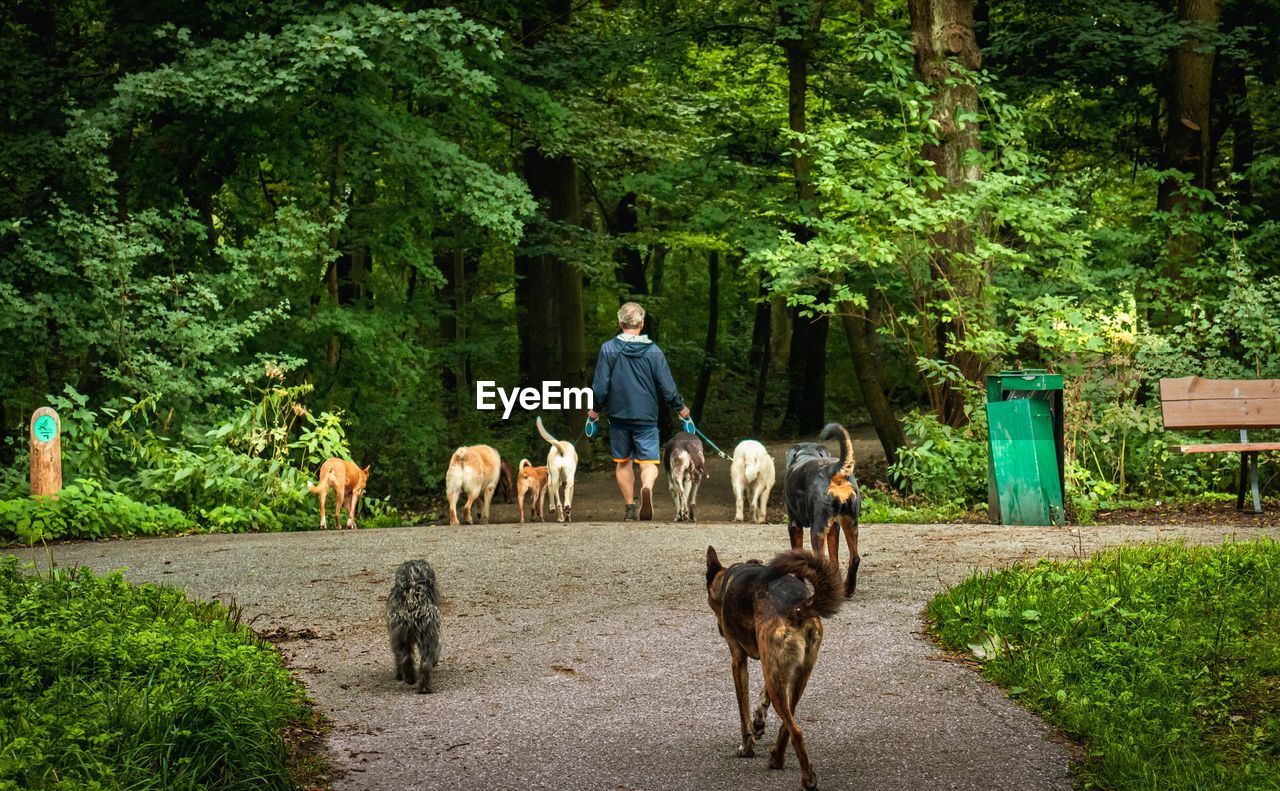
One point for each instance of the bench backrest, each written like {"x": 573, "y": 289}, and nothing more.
{"x": 1194, "y": 403}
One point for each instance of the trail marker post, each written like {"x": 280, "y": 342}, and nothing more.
{"x": 46, "y": 452}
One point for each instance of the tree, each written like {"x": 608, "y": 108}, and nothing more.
{"x": 947, "y": 55}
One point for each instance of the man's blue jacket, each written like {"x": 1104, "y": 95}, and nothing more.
{"x": 631, "y": 376}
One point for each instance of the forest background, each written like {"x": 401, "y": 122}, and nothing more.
{"x": 238, "y": 237}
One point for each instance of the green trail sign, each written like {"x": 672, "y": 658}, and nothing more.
{"x": 45, "y": 428}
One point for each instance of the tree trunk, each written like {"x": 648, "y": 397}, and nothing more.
{"x": 453, "y": 373}
{"x": 942, "y": 34}
{"x": 549, "y": 308}
{"x": 857, "y": 331}
{"x": 760, "y": 356}
{"x": 807, "y": 363}
{"x": 713, "y": 326}
{"x": 1187, "y": 136}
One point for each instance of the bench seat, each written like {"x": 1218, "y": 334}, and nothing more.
{"x": 1229, "y": 447}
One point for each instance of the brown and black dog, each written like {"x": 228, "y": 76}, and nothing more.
{"x": 686, "y": 466}
{"x": 532, "y": 479}
{"x": 347, "y": 480}
{"x": 766, "y": 612}
{"x": 821, "y": 490}
{"x": 506, "y": 490}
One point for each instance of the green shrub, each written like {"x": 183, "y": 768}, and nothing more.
{"x": 86, "y": 510}
{"x": 944, "y": 466}
{"x": 1162, "y": 660}
{"x": 108, "y": 685}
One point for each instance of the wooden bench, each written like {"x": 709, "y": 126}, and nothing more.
{"x": 1237, "y": 404}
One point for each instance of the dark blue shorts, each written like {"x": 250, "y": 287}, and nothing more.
{"x": 637, "y": 442}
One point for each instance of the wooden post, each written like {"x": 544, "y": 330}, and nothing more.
{"x": 46, "y": 452}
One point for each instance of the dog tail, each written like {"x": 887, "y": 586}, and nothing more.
{"x": 546, "y": 434}
{"x": 840, "y": 486}
{"x": 523, "y": 463}
{"x": 822, "y": 574}
{"x": 330, "y": 480}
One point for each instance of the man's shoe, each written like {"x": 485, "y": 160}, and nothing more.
{"x": 646, "y": 505}
{"x": 631, "y": 513}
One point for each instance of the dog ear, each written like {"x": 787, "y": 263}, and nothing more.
{"x": 713, "y": 564}
{"x": 366, "y": 469}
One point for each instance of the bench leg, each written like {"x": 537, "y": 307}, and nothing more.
{"x": 1253, "y": 482}
{"x": 1244, "y": 480}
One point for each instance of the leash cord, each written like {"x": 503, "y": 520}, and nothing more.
{"x": 713, "y": 445}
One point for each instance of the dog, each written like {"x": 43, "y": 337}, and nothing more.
{"x": 821, "y": 490}
{"x": 506, "y": 490}
{"x": 413, "y": 622}
{"x": 534, "y": 480}
{"x": 766, "y": 612}
{"x": 474, "y": 470}
{"x": 348, "y": 481}
{"x": 753, "y": 473}
{"x": 802, "y": 450}
{"x": 685, "y": 466}
{"x": 562, "y": 466}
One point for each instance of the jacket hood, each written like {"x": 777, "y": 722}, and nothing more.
{"x": 634, "y": 345}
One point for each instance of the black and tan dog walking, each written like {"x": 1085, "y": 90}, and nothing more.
{"x": 820, "y": 491}
{"x": 767, "y": 612}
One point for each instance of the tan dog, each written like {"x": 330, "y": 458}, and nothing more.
{"x": 562, "y": 466}
{"x": 348, "y": 481}
{"x": 474, "y": 470}
{"x": 534, "y": 480}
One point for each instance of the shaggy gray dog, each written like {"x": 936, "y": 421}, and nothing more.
{"x": 413, "y": 620}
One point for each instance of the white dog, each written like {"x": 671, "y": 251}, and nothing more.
{"x": 753, "y": 473}
{"x": 562, "y": 465}
{"x": 473, "y": 471}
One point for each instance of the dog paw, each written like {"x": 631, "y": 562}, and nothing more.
{"x": 757, "y": 728}
{"x": 746, "y": 751}
{"x": 777, "y": 760}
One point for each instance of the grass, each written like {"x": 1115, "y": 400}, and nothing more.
{"x": 1162, "y": 661}
{"x": 104, "y": 684}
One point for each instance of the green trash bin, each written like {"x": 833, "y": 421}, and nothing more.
{"x": 1025, "y": 481}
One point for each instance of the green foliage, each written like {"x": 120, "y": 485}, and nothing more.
{"x": 251, "y": 473}
{"x": 110, "y": 685}
{"x": 944, "y": 466}
{"x": 194, "y": 191}
{"x": 1161, "y": 660}
{"x": 86, "y": 510}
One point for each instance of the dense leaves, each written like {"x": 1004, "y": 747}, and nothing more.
{"x": 108, "y": 685}
{"x": 388, "y": 203}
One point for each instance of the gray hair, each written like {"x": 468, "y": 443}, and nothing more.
{"x": 631, "y": 315}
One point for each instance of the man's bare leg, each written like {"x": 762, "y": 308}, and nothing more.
{"x": 648, "y": 476}
{"x": 626, "y": 478}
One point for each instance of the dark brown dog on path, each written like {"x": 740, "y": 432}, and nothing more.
{"x": 820, "y": 491}
{"x": 766, "y": 612}
{"x": 534, "y": 480}
{"x": 506, "y": 490}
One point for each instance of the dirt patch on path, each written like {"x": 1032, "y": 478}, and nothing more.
{"x": 584, "y": 657}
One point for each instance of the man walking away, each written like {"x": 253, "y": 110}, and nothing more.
{"x": 632, "y": 377}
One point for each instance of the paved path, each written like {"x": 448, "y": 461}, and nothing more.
{"x": 585, "y": 657}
